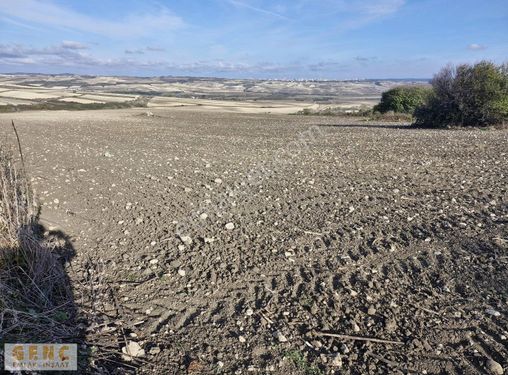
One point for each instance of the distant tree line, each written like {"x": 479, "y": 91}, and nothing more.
{"x": 466, "y": 95}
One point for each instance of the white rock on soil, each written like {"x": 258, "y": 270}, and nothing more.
{"x": 493, "y": 312}
{"x": 181, "y": 272}
{"x": 494, "y": 367}
{"x": 186, "y": 240}
{"x": 230, "y": 226}
{"x": 356, "y": 328}
{"x": 336, "y": 361}
{"x": 133, "y": 349}
{"x": 279, "y": 336}
{"x": 155, "y": 350}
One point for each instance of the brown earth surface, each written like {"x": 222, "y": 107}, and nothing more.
{"x": 235, "y": 243}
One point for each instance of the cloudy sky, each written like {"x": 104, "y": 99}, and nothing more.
{"x": 327, "y": 39}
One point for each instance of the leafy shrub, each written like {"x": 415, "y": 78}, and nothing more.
{"x": 468, "y": 95}
{"x": 403, "y": 99}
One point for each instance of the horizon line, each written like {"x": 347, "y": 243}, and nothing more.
{"x": 220, "y": 78}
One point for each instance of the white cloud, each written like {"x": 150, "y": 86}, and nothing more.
{"x": 476, "y": 47}
{"x": 70, "y": 44}
{"x": 45, "y": 12}
{"x": 243, "y": 4}
{"x": 360, "y": 13}
{"x": 134, "y": 51}
{"x": 380, "y": 8}
{"x": 155, "y": 49}
{"x": 67, "y": 53}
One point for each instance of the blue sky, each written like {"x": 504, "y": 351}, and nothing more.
{"x": 323, "y": 39}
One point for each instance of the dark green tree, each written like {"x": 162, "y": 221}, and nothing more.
{"x": 468, "y": 95}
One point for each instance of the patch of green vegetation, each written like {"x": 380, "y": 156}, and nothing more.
{"x": 55, "y": 105}
{"x": 403, "y": 99}
{"x": 302, "y": 363}
{"x": 467, "y": 95}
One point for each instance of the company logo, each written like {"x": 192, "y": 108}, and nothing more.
{"x": 41, "y": 357}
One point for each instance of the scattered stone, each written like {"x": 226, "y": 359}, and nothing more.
{"x": 336, "y": 361}
{"x": 317, "y": 344}
{"x": 344, "y": 349}
{"x": 218, "y": 181}
{"x": 249, "y": 312}
{"x": 371, "y": 310}
{"x": 492, "y": 312}
{"x": 153, "y": 243}
{"x": 154, "y": 261}
{"x": 181, "y": 272}
{"x": 356, "y": 328}
{"x": 132, "y": 349}
{"x": 155, "y": 350}
{"x": 242, "y": 339}
{"x": 203, "y": 216}
{"x": 390, "y": 325}
{"x": 186, "y": 240}
{"x": 108, "y": 154}
{"x": 494, "y": 367}
{"x": 279, "y": 336}
{"x": 230, "y": 226}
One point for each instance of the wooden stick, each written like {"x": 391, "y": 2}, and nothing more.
{"x": 312, "y": 233}
{"x": 19, "y": 145}
{"x": 266, "y": 318}
{"x": 427, "y": 310}
{"x": 359, "y": 338}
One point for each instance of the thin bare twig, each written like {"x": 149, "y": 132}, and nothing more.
{"x": 19, "y": 145}
{"x": 359, "y": 338}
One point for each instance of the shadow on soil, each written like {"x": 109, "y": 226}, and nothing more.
{"x": 36, "y": 293}
{"x": 37, "y": 301}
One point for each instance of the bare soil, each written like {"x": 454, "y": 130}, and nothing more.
{"x": 235, "y": 243}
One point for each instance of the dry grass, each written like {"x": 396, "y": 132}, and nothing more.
{"x": 35, "y": 297}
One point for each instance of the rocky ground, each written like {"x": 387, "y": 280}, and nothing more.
{"x": 236, "y": 243}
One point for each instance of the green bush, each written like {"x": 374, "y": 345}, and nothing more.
{"x": 468, "y": 95}
{"x": 403, "y": 99}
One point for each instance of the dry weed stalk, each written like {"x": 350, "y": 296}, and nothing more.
{"x": 35, "y": 297}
